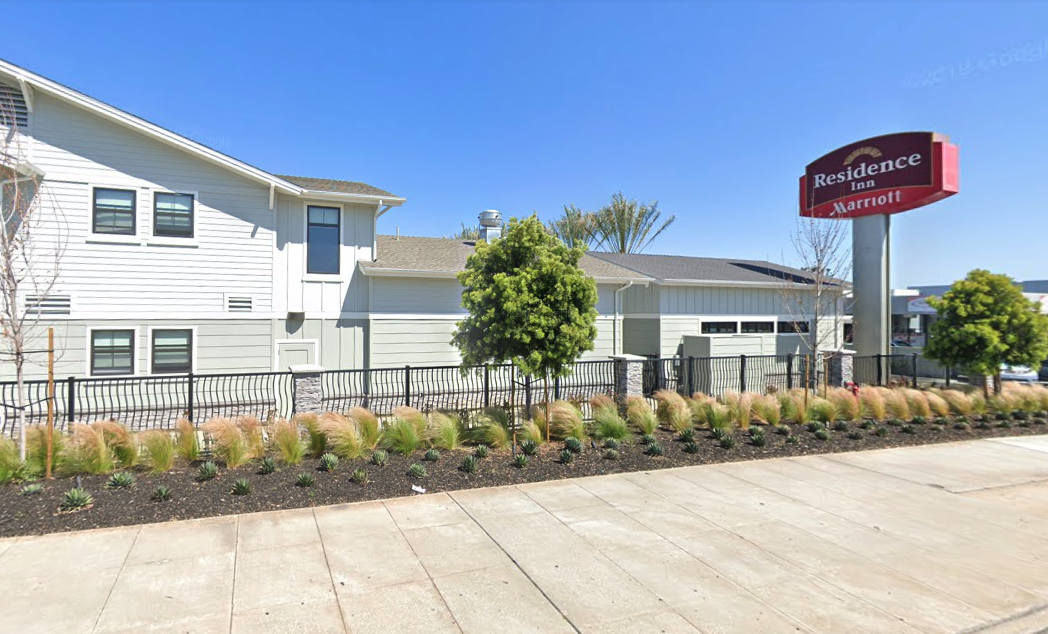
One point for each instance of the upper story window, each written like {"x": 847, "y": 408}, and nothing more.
{"x": 172, "y": 351}
{"x": 322, "y": 239}
{"x": 173, "y": 215}
{"x": 758, "y": 327}
{"x": 112, "y": 352}
{"x": 113, "y": 212}
{"x": 793, "y": 327}
{"x": 719, "y": 327}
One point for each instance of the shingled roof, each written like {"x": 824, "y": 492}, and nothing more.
{"x": 667, "y": 268}
{"x": 341, "y": 187}
{"x": 448, "y": 255}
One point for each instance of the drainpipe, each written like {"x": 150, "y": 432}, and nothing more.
{"x": 615, "y": 329}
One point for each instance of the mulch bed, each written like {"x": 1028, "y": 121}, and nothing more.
{"x": 39, "y": 514}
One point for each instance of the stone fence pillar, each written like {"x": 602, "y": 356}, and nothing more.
{"x": 307, "y": 391}
{"x": 629, "y": 377}
{"x": 842, "y": 368}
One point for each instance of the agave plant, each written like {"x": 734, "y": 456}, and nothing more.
{"x": 31, "y": 489}
{"x": 76, "y": 499}
{"x": 417, "y": 471}
{"x": 242, "y": 487}
{"x": 267, "y": 466}
{"x": 654, "y": 449}
{"x": 432, "y": 455}
{"x": 572, "y": 444}
{"x": 305, "y": 480}
{"x": 567, "y": 456}
{"x": 469, "y": 464}
{"x": 207, "y": 471}
{"x": 380, "y": 458}
{"x": 328, "y": 462}
{"x": 161, "y": 494}
{"x": 359, "y": 475}
{"x": 121, "y": 480}
{"x": 481, "y": 451}
{"x": 611, "y": 454}
{"x": 529, "y": 447}
{"x": 520, "y": 461}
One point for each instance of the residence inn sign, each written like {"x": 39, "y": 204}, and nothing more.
{"x": 880, "y": 176}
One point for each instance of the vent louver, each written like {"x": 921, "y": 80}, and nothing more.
{"x": 50, "y": 305}
{"x": 236, "y": 304}
{"x": 12, "y": 106}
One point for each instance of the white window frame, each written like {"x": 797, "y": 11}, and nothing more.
{"x": 174, "y": 241}
{"x": 194, "y": 345}
{"x": 323, "y": 277}
{"x": 135, "y": 367}
{"x": 113, "y": 238}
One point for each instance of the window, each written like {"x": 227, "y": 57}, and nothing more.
{"x": 172, "y": 351}
{"x": 719, "y": 327}
{"x": 322, "y": 240}
{"x": 114, "y": 212}
{"x": 793, "y": 327}
{"x": 112, "y": 352}
{"x": 173, "y": 215}
{"x": 758, "y": 327}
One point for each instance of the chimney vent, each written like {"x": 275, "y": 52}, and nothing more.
{"x": 490, "y": 225}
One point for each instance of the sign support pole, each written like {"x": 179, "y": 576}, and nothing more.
{"x": 871, "y": 284}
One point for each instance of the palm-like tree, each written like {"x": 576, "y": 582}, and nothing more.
{"x": 574, "y": 228}
{"x": 626, "y": 226}
{"x": 468, "y": 234}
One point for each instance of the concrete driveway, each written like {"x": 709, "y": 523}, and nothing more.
{"x": 949, "y": 538}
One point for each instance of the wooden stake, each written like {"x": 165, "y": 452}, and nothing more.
{"x": 545, "y": 382}
{"x": 50, "y": 400}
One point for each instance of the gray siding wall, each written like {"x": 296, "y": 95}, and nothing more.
{"x": 641, "y": 336}
{"x": 671, "y": 335}
{"x": 342, "y": 343}
{"x": 414, "y": 342}
{"x": 641, "y": 299}
{"x": 416, "y": 295}
{"x": 692, "y": 300}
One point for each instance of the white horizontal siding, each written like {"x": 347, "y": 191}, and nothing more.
{"x": 416, "y": 295}
{"x": 699, "y": 300}
{"x": 231, "y": 252}
{"x": 414, "y": 342}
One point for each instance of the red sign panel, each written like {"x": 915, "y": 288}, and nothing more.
{"x": 882, "y": 175}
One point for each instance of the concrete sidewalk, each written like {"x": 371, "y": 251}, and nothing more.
{"x": 946, "y": 538}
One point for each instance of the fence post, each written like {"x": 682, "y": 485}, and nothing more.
{"x": 914, "y": 357}
{"x": 691, "y": 376}
{"x": 880, "y": 369}
{"x": 789, "y": 371}
{"x": 71, "y": 399}
{"x": 527, "y": 394}
{"x": 189, "y": 397}
{"x": 742, "y": 373}
{"x": 556, "y": 388}
{"x": 407, "y": 385}
{"x": 487, "y": 386}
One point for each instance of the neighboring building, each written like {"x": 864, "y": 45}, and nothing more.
{"x": 179, "y": 258}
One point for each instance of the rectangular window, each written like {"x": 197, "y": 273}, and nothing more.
{"x": 113, "y": 212}
{"x": 719, "y": 327}
{"x": 112, "y": 352}
{"x": 793, "y": 327}
{"x": 172, "y": 351}
{"x": 758, "y": 327}
{"x": 173, "y": 215}
{"x": 322, "y": 240}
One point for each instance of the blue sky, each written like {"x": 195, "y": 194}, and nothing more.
{"x": 711, "y": 108}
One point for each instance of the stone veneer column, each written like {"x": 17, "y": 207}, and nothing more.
{"x": 629, "y": 377}
{"x": 307, "y": 389}
{"x": 842, "y": 368}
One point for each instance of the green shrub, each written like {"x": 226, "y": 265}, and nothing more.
{"x": 161, "y": 494}
{"x": 520, "y": 460}
{"x": 481, "y": 451}
{"x": 267, "y": 466}
{"x": 727, "y": 441}
{"x": 882, "y": 432}
{"x": 31, "y": 489}
{"x": 654, "y": 449}
{"x": 328, "y": 462}
{"x": 207, "y": 471}
{"x": 611, "y": 443}
{"x": 379, "y": 458}
{"x": 242, "y": 487}
{"x": 822, "y": 434}
{"x": 814, "y": 426}
{"x": 608, "y": 424}
{"x": 894, "y": 422}
{"x": 529, "y": 447}
{"x": 286, "y": 440}
{"x": 431, "y": 456}
{"x": 469, "y": 464}
{"x": 573, "y": 444}
{"x": 121, "y": 480}
{"x": 691, "y": 447}
{"x": 402, "y": 436}
{"x": 868, "y": 425}
{"x": 159, "y": 450}
{"x": 305, "y": 480}
{"x": 76, "y": 499}
{"x": 567, "y": 456}
{"x": 417, "y": 471}
{"x": 611, "y": 454}
{"x": 359, "y": 475}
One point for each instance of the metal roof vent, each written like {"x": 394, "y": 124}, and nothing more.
{"x": 13, "y": 107}
{"x": 490, "y": 225}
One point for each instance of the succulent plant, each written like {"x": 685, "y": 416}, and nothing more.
{"x": 647, "y": 439}
{"x": 783, "y": 429}
{"x": 242, "y": 486}
{"x": 1021, "y": 414}
{"x": 482, "y": 451}
{"x": 918, "y": 420}
{"x": 756, "y": 431}
{"x": 1004, "y": 424}
{"x": 31, "y": 489}
{"x": 469, "y": 464}
{"x": 727, "y": 441}
{"x": 121, "y": 480}
{"x": 161, "y": 494}
{"x": 76, "y": 499}
{"x": 267, "y": 466}
{"x": 567, "y": 456}
{"x": 855, "y": 435}
{"x": 207, "y": 471}
{"x": 1039, "y": 421}
{"x": 305, "y": 480}
{"x": 868, "y": 425}
{"x": 691, "y": 447}
{"x": 882, "y": 432}
{"x": 328, "y": 462}
{"x": 380, "y": 458}
{"x": 983, "y": 424}
{"x": 654, "y": 449}
{"x": 611, "y": 443}
{"x": 573, "y": 444}
{"x": 822, "y": 434}
{"x": 359, "y": 475}
{"x": 758, "y": 440}
{"x": 894, "y": 422}
{"x": 962, "y": 426}
{"x": 611, "y": 454}
{"x": 1002, "y": 415}
{"x": 529, "y": 447}
{"x": 908, "y": 429}
{"x": 520, "y": 461}
{"x": 417, "y": 471}
{"x": 814, "y": 426}
{"x": 792, "y": 440}
{"x": 431, "y": 455}
{"x": 688, "y": 434}
{"x": 840, "y": 425}
{"x": 937, "y": 428}
{"x": 941, "y": 420}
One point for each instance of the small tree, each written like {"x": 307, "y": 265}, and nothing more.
{"x": 627, "y": 226}
{"x": 574, "y": 228}
{"x": 529, "y": 303}
{"x": 984, "y": 321}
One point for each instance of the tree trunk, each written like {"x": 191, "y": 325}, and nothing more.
{"x": 20, "y": 380}
{"x": 545, "y": 387}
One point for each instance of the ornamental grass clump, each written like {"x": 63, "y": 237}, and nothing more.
{"x": 896, "y": 404}
{"x": 823, "y": 410}
{"x": 11, "y": 467}
{"x": 917, "y": 401}
{"x": 872, "y": 401}
{"x": 445, "y": 431}
{"x": 316, "y": 437}
{"x": 367, "y": 427}
{"x": 766, "y": 408}
{"x": 798, "y": 406}
{"x": 285, "y": 439}
{"x": 959, "y": 402}
{"x": 36, "y": 452}
{"x": 606, "y": 420}
{"x": 847, "y": 403}
{"x": 231, "y": 442}
{"x": 496, "y": 428}
{"x": 937, "y": 404}
{"x": 718, "y": 417}
{"x": 639, "y": 414}
{"x": 565, "y": 420}
{"x": 535, "y": 430}
{"x": 342, "y": 436}
{"x": 673, "y": 410}
{"x": 159, "y": 453}
{"x": 187, "y": 444}
{"x": 89, "y": 449}
{"x": 740, "y": 408}
{"x": 401, "y": 436}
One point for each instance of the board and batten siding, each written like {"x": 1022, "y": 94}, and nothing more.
{"x": 640, "y": 335}
{"x": 342, "y": 343}
{"x": 230, "y": 253}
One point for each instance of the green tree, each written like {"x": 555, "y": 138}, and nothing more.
{"x": 469, "y": 234}
{"x": 626, "y": 226}
{"x": 984, "y": 321}
{"x": 529, "y": 303}
{"x": 574, "y": 228}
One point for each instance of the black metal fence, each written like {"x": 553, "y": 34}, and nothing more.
{"x": 158, "y": 402}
